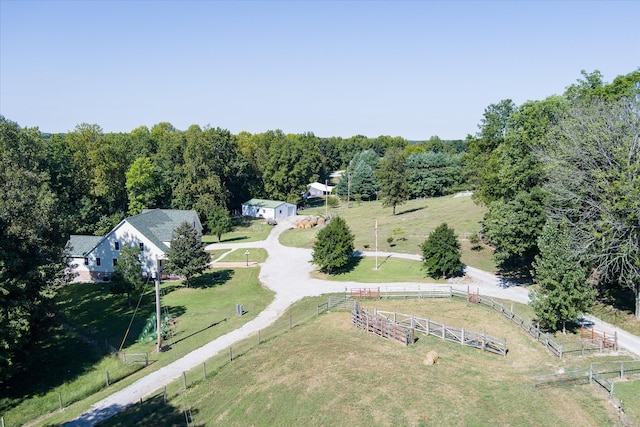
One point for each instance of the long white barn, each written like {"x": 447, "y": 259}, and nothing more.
{"x": 93, "y": 258}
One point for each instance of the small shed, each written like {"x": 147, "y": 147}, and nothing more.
{"x": 275, "y": 209}
{"x": 319, "y": 189}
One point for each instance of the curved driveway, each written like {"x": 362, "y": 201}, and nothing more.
{"x": 287, "y": 273}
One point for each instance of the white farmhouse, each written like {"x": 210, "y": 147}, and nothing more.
{"x": 94, "y": 258}
{"x": 259, "y": 208}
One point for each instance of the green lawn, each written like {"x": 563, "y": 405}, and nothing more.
{"x": 254, "y": 231}
{"x": 67, "y": 366}
{"x": 389, "y": 270}
{"x": 239, "y": 255}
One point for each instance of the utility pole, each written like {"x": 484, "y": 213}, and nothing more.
{"x": 158, "y": 323}
{"x": 326, "y": 200}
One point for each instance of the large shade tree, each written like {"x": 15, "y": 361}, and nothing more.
{"x": 592, "y": 165}
{"x": 392, "y": 178}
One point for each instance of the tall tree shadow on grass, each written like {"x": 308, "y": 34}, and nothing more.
{"x": 212, "y": 278}
{"x": 408, "y": 211}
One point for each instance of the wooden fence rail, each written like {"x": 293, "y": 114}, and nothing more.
{"x": 448, "y": 333}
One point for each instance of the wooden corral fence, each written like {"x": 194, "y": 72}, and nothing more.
{"x": 597, "y": 343}
{"x": 599, "y": 338}
{"x": 365, "y": 292}
{"x": 379, "y": 325}
{"x": 447, "y": 333}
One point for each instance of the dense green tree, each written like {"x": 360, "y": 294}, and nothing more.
{"x": 219, "y": 221}
{"x": 563, "y": 292}
{"x": 441, "y": 253}
{"x": 360, "y": 180}
{"x": 32, "y": 257}
{"x": 186, "y": 256}
{"x": 127, "y": 275}
{"x": 333, "y": 247}
{"x": 592, "y": 166}
{"x": 168, "y": 160}
{"x": 392, "y": 178}
{"x": 513, "y": 227}
{"x": 433, "y": 173}
{"x": 480, "y": 165}
{"x": 293, "y": 162}
{"x": 143, "y": 185}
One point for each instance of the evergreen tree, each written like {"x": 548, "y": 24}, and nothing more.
{"x": 186, "y": 257}
{"x": 334, "y": 246}
{"x": 441, "y": 253}
{"x": 564, "y": 292}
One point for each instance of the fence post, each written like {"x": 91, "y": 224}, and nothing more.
{"x": 146, "y": 359}
{"x": 59, "y": 400}
{"x": 164, "y": 395}
{"x": 204, "y": 370}
{"x": 289, "y": 321}
{"x": 230, "y": 354}
{"x": 621, "y": 370}
{"x": 590, "y": 373}
{"x": 258, "y": 337}
{"x": 107, "y": 375}
{"x": 443, "y": 329}
{"x": 428, "y": 327}
{"x": 462, "y": 336}
{"x": 184, "y": 380}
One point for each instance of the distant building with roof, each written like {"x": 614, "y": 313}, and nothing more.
{"x": 274, "y": 209}
{"x": 317, "y": 189}
{"x": 93, "y": 258}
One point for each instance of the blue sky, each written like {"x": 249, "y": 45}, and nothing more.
{"x": 411, "y": 69}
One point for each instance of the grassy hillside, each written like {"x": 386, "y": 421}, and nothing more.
{"x": 408, "y": 228}
{"x": 326, "y": 372}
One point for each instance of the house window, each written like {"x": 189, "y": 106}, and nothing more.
{"x": 141, "y": 246}
{"x": 116, "y": 245}
{"x": 115, "y": 262}
{"x": 86, "y": 261}
{"x": 97, "y": 261}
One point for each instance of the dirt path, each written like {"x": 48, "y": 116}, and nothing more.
{"x": 287, "y": 272}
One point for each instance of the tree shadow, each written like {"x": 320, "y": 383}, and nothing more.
{"x": 621, "y": 299}
{"x": 212, "y": 279}
{"x": 197, "y": 332}
{"x": 232, "y": 239}
{"x": 152, "y": 411}
{"x": 354, "y": 261}
{"x": 408, "y": 211}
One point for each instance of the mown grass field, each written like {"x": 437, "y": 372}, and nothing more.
{"x": 409, "y": 228}
{"x": 326, "y": 372}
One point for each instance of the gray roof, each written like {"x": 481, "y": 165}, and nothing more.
{"x": 79, "y": 245}
{"x": 158, "y": 225}
{"x": 264, "y": 203}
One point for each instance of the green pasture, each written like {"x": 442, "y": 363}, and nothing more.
{"x": 409, "y": 228}
{"x": 71, "y": 364}
{"x": 324, "y": 371}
